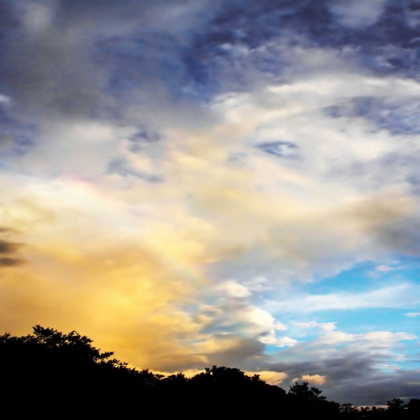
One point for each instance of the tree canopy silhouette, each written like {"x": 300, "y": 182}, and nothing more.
{"x": 59, "y": 371}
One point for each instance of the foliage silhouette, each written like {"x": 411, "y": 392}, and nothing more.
{"x": 302, "y": 391}
{"x": 65, "y": 375}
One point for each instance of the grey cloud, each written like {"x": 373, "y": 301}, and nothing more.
{"x": 10, "y": 262}
{"x": 93, "y": 59}
{"x": 397, "y": 115}
{"x": 241, "y": 354}
{"x": 403, "y": 384}
{"x": 8, "y": 247}
{"x": 145, "y": 135}
{"x": 285, "y": 149}
{"x": 51, "y": 72}
{"x": 393, "y": 227}
{"x": 353, "y": 367}
{"x": 402, "y": 236}
{"x": 353, "y": 378}
{"x": 358, "y": 13}
{"x": 62, "y": 65}
{"x": 124, "y": 168}
{"x": 147, "y": 140}
{"x": 9, "y": 250}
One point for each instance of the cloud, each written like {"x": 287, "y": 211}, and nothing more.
{"x": 397, "y": 296}
{"x": 280, "y": 148}
{"x": 378, "y": 392}
{"x": 412, "y": 314}
{"x": 9, "y": 250}
{"x": 312, "y": 379}
{"x": 4, "y": 99}
{"x": 272, "y": 378}
{"x": 244, "y": 319}
{"x": 350, "y": 362}
{"x": 352, "y": 380}
{"x": 9, "y": 262}
{"x": 234, "y": 289}
{"x": 377, "y": 346}
{"x": 322, "y": 327}
{"x": 384, "y": 268}
{"x": 286, "y": 342}
{"x": 357, "y": 14}
{"x": 180, "y": 173}
{"x": 8, "y": 247}
{"x": 45, "y": 77}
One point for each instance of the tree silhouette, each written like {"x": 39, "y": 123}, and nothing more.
{"x": 307, "y": 400}
{"x": 303, "y": 391}
{"x": 53, "y": 374}
{"x": 348, "y": 411}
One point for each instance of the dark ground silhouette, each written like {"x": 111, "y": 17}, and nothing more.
{"x": 56, "y": 375}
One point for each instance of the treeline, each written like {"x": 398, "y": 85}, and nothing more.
{"x": 63, "y": 375}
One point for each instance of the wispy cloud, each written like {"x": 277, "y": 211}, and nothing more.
{"x": 398, "y": 296}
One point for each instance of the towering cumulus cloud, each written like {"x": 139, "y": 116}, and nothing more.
{"x": 202, "y": 182}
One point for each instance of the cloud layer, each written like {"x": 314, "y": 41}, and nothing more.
{"x": 195, "y": 183}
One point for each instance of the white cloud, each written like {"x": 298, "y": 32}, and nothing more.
{"x": 334, "y": 338}
{"x": 286, "y": 342}
{"x": 323, "y": 327}
{"x": 259, "y": 323}
{"x": 413, "y": 314}
{"x": 388, "y": 297}
{"x": 234, "y": 289}
{"x": 279, "y": 326}
{"x": 259, "y": 284}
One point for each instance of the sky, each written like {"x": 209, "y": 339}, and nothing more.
{"x": 213, "y": 182}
